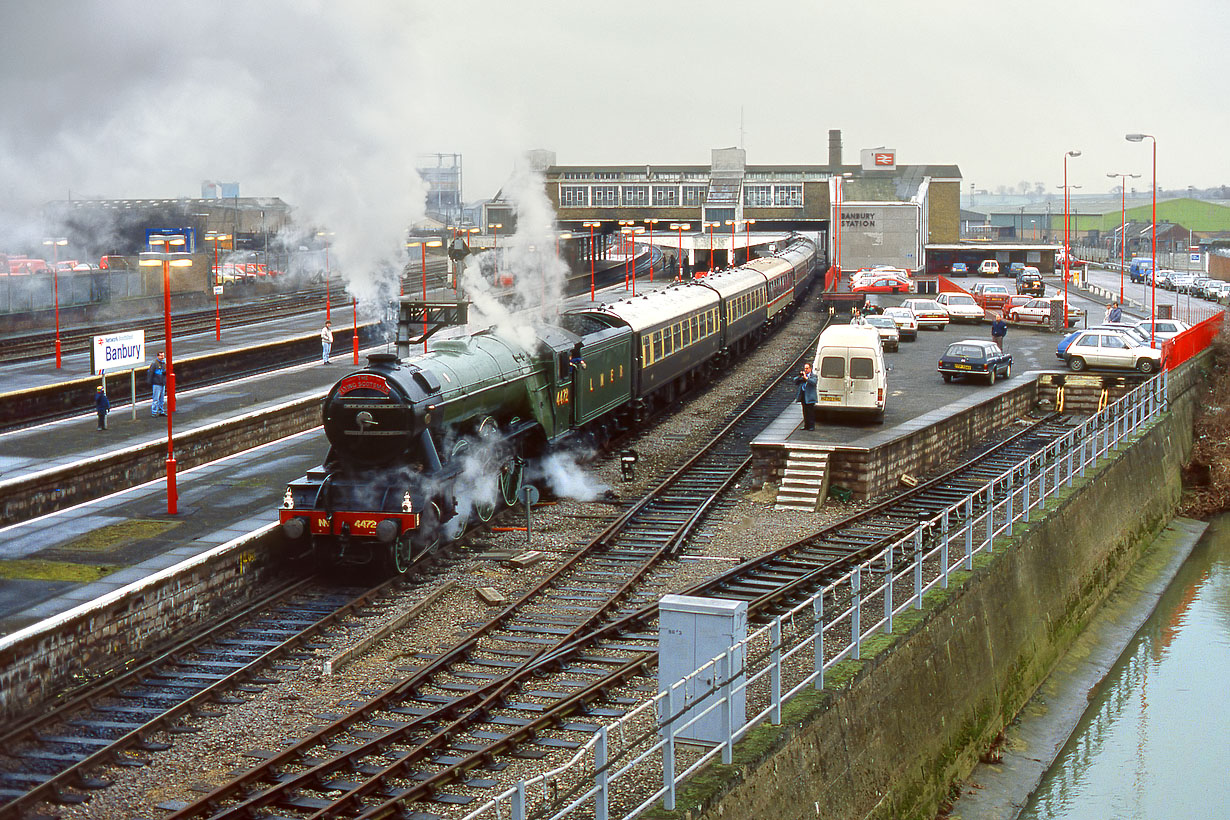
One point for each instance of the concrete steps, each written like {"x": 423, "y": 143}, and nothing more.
{"x": 805, "y": 480}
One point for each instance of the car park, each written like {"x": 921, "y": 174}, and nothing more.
{"x": 1029, "y": 282}
{"x": 988, "y": 267}
{"x": 881, "y": 282}
{"x": 961, "y": 307}
{"x": 975, "y": 357}
{"x": 990, "y": 295}
{"x": 1163, "y": 329}
{"x": 928, "y": 312}
{"x": 1108, "y": 348}
{"x": 907, "y": 322}
{"x": 1038, "y": 312}
{"x": 959, "y": 269}
{"x": 890, "y": 337}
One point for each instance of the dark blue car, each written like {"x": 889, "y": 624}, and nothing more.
{"x": 975, "y": 357}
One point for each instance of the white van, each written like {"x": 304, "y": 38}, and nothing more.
{"x": 989, "y": 267}
{"x": 850, "y": 372}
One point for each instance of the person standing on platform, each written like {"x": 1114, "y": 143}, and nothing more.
{"x": 999, "y": 329}
{"x": 1114, "y": 314}
{"x": 158, "y": 385}
{"x": 807, "y": 396}
{"x": 101, "y": 405}
{"x": 326, "y": 342}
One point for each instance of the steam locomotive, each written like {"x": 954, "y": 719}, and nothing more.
{"x": 421, "y": 445}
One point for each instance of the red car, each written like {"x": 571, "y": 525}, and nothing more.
{"x": 881, "y": 283}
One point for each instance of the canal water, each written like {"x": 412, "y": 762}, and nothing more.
{"x": 1155, "y": 740}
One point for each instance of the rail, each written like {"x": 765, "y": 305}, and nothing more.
{"x": 641, "y": 747}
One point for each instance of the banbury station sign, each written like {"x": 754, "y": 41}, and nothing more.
{"x": 117, "y": 351}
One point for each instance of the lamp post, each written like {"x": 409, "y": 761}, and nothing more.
{"x": 326, "y": 235}
{"x": 629, "y": 234}
{"x": 1065, "y": 232}
{"x": 732, "y": 223}
{"x": 625, "y": 231}
{"x": 1152, "y": 236}
{"x": 1123, "y": 178}
{"x": 592, "y": 254}
{"x": 651, "y": 223}
{"x": 747, "y": 228}
{"x": 495, "y": 250}
{"x": 841, "y": 178}
{"x": 710, "y": 226}
{"x": 56, "y": 243}
{"x": 214, "y": 237}
{"x": 168, "y": 260}
{"x": 423, "y": 245}
{"x": 681, "y": 227}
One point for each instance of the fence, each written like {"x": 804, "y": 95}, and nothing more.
{"x": 797, "y": 650}
{"x": 1182, "y": 347}
{"x": 42, "y": 291}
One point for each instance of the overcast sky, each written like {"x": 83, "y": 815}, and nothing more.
{"x": 327, "y": 104}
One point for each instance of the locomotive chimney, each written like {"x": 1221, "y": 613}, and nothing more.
{"x": 835, "y": 147}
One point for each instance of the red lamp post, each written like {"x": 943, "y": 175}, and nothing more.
{"x": 168, "y": 260}
{"x": 1123, "y": 178}
{"x": 629, "y": 235}
{"x": 747, "y": 228}
{"x": 593, "y": 251}
{"x": 651, "y": 223}
{"x": 326, "y": 235}
{"x": 1152, "y": 236}
{"x": 681, "y": 227}
{"x": 423, "y": 245}
{"x": 215, "y": 238}
{"x": 625, "y": 232}
{"x": 56, "y": 243}
{"x": 710, "y": 226}
{"x": 1066, "y": 200}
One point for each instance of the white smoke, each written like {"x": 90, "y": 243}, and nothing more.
{"x": 566, "y": 477}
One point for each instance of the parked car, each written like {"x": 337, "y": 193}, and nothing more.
{"x": 1029, "y": 282}
{"x": 890, "y": 337}
{"x": 907, "y": 322}
{"x": 961, "y": 307}
{"x": 990, "y": 295}
{"x": 1107, "y": 348}
{"x": 928, "y": 312}
{"x": 1038, "y": 312}
{"x": 1130, "y": 332}
{"x": 1164, "y": 279}
{"x": 975, "y": 357}
{"x": 1015, "y": 269}
{"x": 988, "y": 267}
{"x": 884, "y": 282}
{"x": 960, "y": 269}
{"x": 1162, "y": 329}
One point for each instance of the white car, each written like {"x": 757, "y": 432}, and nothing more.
{"x": 1038, "y": 312}
{"x": 961, "y": 307}
{"x": 890, "y": 337}
{"x": 928, "y": 312}
{"x": 907, "y": 322}
{"x": 1163, "y": 329}
{"x": 1104, "y": 348}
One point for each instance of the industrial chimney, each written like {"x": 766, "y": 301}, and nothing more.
{"x": 835, "y": 147}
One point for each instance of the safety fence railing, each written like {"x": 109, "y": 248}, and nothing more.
{"x": 616, "y": 772}
{"x": 1196, "y": 338}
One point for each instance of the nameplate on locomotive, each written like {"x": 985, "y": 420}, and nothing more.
{"x": 363, "y": 381}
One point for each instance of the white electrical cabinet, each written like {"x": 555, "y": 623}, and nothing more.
{"x": 691, "y": 632}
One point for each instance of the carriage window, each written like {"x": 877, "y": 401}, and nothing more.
{"x": 657, "y": 345}
{"x": 678, "y": 337}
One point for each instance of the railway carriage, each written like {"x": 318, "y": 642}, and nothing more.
{"x": 744, "y": 306}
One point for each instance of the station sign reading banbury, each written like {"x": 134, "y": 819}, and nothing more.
{"x": 117, "y": 351}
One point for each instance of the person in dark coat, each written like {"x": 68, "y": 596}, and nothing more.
{"x": 101, "y": 405}
{"x": 807, "y": 396}
{"x": 999, "y": 329}
{"x": 158, "y": 386}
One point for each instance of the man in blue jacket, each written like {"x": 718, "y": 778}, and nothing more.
{"x": 158, "y": 386}
{"x": 807, "y": 396}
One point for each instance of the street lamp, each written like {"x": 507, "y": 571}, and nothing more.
{"x": 1066, "y": 198}
{"x": 710, "y": 226}
{"x": 423, "y": 245}
{"x": 592, "y": 253}
{"x": 681, "y": 227}
{"x": 215, "y": 238}
{"x": 1152, "y": 235}
{"x": 629, "y": 234}
{"x": 168, "y": 260}
{"x": 651, "y": 223}
{"x": 327, "y": 235}
{"x": 1123, "y": 178}
{"x": 732, "y": 223}
{"x": 495, "y": 249}
{"x": 56, "y": 243}
{"x": 747, "y": 229}
{"x": 841, "y": 178}
{"x": 625, "y": 231}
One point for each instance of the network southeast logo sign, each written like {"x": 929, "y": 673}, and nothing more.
{"x": 884, "y": 158}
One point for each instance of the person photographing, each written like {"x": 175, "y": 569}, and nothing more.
{"x": 807, "y": 396}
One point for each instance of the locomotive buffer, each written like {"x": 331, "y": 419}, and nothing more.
{"x": 419, "y": 319}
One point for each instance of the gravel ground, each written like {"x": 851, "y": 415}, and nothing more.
{"x": 744, "y": 526}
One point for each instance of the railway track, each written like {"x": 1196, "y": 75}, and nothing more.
{"x": 119, "y": 718}
{"x": 424, "y": 743}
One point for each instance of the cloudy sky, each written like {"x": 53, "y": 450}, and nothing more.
{"x": 327, "y": 104}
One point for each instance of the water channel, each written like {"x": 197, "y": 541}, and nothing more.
{"x": 1155, "y": 740}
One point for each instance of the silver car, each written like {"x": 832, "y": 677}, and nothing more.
{"x": 1108, "y": 348}
{"x": 890, "y": 337}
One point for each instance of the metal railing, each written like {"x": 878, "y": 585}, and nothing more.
{"x": 606, "y": 776}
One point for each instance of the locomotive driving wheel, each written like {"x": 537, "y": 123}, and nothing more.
{"x": 402, "y": 551}
{"x": 511, "y": 474}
